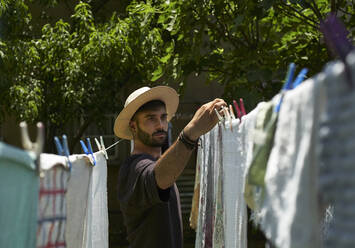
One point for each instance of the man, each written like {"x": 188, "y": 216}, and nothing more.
{"x": 148, "y": 196}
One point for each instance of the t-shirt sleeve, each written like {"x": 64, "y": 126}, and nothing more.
{"x": 144, "y": 190}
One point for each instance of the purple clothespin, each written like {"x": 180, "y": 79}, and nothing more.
{"x": 335, "y": 35}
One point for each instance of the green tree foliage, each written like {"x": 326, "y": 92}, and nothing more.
{"x": 247, "y": 45}
{"x": 78, "y": 67}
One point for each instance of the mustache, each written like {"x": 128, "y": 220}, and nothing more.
{"x": 160, "y": 132}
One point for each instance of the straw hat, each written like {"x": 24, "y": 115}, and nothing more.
{"x": 138, "y": 98}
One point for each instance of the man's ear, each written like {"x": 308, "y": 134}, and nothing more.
{"x": 132, "y": 126}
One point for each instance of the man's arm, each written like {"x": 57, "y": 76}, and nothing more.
{"x": 171, "y": 164}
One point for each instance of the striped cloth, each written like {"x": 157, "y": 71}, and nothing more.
{"x": 52, "y": 203}
{"x": 337, "y": 157}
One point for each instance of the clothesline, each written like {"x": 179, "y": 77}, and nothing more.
{"x": 114, "y": 144}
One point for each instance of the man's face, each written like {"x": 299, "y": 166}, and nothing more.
{"x": 151, "y": 127}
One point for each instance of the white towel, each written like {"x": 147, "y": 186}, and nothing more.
{"x": 77, "y": 201}
{"x": 289, "y": 215}
{"x": 97, "y": 219}
{"x": 236, "y": 149}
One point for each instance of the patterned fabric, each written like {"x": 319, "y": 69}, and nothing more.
{"x": 218, "y": 230}
{"x": 196, "y": 195}
{"x": 222, "y": 157}
{"x": 52, "y": 208}
{"x": 204, "y": 232}
{"x": 337, "y": 141}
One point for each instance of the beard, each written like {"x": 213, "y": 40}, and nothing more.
{"x": 149, "y": 140}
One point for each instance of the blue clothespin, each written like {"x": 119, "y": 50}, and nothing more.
{"x": 63, "y": 150}
{"x": 60, "y": 149}
{"x": 287, "y": 85}
{"x": 88, "y": 151}
{"x": 289, "y": 77}
{"x": 299, "y": 78}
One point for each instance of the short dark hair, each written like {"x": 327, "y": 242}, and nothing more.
{"x": 151, "y": 105}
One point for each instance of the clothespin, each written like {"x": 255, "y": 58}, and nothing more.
{"x": 242, "y": 106}
{"x": 227, "y": 115}
{"x": 36, "y": 147}
{"x": 218, "y": 115}
{"x": 237, "y": 109}
{"x": 101, "y": 146}
{"x": 63, "y": 150}
{"x": 299, "y": 78}
{"x": 287, "y": 85}
{"x": 231, "y": 111}
{"x": 289, "y": 77}
{"x": 336, "y": 38}
{"x": 88, "y": 150}
{"x": 220, "y": 118}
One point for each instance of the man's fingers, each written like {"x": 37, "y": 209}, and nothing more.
{"x": 218, "y": 105}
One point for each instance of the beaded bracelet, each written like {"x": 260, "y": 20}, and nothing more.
{"x": 190, "y": 144}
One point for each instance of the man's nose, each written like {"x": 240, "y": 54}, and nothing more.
{"x": 160, "y": 124}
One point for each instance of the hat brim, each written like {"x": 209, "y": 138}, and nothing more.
{"x": 164, "y": 93}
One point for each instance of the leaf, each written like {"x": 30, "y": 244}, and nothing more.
{"x": 157, "y": 73}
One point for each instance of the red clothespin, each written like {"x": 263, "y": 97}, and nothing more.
{"x": 242, "y": 106}
{"x": 237, "y": 109}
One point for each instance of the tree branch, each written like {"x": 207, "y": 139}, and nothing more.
{"x": 298, "y": 12}
{"x": 316, "y": 10}
{"x": 290, "y": 14}
{"x": 345, "y": 12}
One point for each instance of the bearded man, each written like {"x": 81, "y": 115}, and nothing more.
{"x": 148, "y": 196}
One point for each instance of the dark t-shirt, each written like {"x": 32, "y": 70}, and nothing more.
{"x": 152, "y": 216}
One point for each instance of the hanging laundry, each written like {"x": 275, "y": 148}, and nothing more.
{"x": 222, "y": 160}
{"x": 289, "y": 213}
{"x": 52, "y": 201}
{"x": 87, "y": 213}
{"x": 204, "y": 232}
{"x": 337, "y": 139}
{"x": 19, "y": 197}
{"x": 263, "y": 139}
{"x": 97, "y": 215}
{"x": 196, "y": 196}
{"x": 218, "y": 223}
{"x": 77, "y": 201}
{"x": 235, "y": 207}
{"x": 235, "y": 144}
